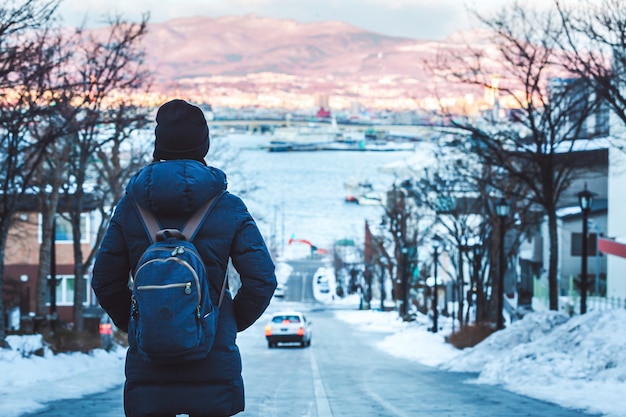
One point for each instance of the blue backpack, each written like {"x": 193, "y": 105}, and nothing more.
{"x": 172, "y": 316}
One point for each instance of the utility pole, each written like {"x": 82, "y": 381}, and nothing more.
{"x": 502, "y": 210}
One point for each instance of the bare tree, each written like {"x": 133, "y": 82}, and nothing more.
{"x": 447, "y": 191}
{"x": 50, "y": 178}
{"x": 533, "y": 145}
{"x": 595, "y": 41}
{"x": 117, "y": 160}
{"x": 108, "y": 65}
{"x": 25, "y": 59}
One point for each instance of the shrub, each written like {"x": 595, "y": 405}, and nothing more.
{"x": 469, "y": 336}
{"x": 67, "y": 340}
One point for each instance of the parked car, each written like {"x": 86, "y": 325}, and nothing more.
{"x": 288, "y": 327}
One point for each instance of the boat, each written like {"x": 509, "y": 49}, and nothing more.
{"x": 371, "y": 199}
{"x": 369, "y": 146}
{"x": 305, "y": 138}
{"x": 362, "y": 193}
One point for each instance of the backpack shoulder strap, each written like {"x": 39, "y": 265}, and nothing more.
{"x": 193, "y": 224}
{"x": 150, "y": 222}
{"x": 223, "y": 290}
{"x": 153, "y": 228}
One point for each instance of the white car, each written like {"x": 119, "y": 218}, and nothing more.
{"x": 288, "y": 327}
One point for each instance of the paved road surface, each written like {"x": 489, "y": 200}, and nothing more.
{"x": 342, "y": 374}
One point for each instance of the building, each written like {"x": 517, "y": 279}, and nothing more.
{"x": 614, "y": 242}
{"x": 22, "y": 261}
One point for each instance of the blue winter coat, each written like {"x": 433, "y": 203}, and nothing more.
{"x": 173, "y": 190}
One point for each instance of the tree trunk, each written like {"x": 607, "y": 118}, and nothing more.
{"x": 43, "y": 269}
{"x": 3, "y": 325}
{"x": 80, "y": 288}
{"x": 460, "y": 289}
{"x": 553, "y": 285}
{"x": 48, "y": 210}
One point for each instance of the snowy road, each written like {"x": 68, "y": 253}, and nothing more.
{"x": 341, "y": 374}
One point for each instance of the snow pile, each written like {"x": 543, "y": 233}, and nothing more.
{"x": 25, "y": 346}
{"x": 497, "y": 347}
{"x": 27, "y": 376}
{"x": 548, "y": 346}
{"x": 411, "y": 340}
{"x": 584, "y": 355}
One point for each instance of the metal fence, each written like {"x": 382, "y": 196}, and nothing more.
{"x": 570, "y": 303}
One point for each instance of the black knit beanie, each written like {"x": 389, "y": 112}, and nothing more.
{"x": 181, "y": 132}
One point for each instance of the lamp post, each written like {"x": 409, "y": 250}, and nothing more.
{"x": 406, "y": 277}
{"x": 460, "y": 280}
{"x": 436, "y": 241}
{"x": 585, "y": 199}
{"x": 502, "y": 210}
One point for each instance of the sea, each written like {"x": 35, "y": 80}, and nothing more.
{"x": 298, "y": 198}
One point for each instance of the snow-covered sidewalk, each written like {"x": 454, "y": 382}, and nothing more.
{"x": 29, "y": 381}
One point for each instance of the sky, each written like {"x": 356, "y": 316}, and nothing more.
{"x": 420, "y": 19}
{"x": 547, "y": 356}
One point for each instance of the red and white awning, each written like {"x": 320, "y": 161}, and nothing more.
{"x": 612, "y": 247}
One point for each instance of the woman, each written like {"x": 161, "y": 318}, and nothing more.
{"x": 174, "y": 186}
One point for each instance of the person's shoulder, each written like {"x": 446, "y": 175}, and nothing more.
{"x": 234, "y": 204}
{"x": 231, "y": 199}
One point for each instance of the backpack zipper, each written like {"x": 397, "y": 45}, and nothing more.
{"x": 175, "y": 250}
{"x": 187, "y": 285}
{"x": 156, "y": 286}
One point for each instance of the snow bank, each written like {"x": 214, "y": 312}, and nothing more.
{"x": 577, "y": 362}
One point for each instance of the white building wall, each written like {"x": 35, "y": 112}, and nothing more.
{"x": 616, "y": 224}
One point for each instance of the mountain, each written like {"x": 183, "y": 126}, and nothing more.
{"x": 251, "y": 55}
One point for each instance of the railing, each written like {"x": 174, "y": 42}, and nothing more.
{"x": 571, "y": 303}
{"x": 598, "y": 303}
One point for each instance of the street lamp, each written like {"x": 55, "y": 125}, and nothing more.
{"x": 585, "y": 199}
{"x": 436, "y": 242}
{"x": 502, "y": 210}
{"x": 405, "y": 283}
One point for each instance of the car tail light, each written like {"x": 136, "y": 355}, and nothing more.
{"x": 106, "y": 328}
{"x": 301, "y": 331}
{"x": 268, "y": 330}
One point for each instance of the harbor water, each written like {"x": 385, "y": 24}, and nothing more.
{"x": 301, "y": 194}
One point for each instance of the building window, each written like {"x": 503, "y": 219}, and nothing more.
{"x": 65, "y": 291}
{"x": 577, "y": 244}
{"x": 64, "y": 229}
{"x": 602, "y": 120}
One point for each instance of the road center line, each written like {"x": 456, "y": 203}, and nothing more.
{"x": 321, "y": 400}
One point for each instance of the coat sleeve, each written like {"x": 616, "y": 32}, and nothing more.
{"x": 111, "y": 272}
{"x": 252, "y": 260}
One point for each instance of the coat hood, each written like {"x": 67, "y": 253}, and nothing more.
{"x": 175, "y": 187}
